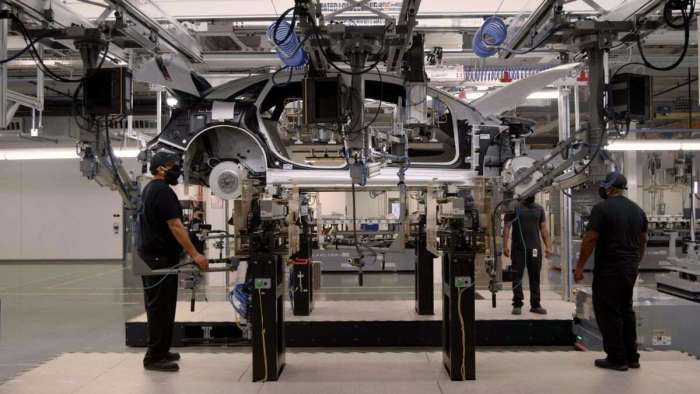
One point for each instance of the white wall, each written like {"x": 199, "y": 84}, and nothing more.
{"x": 48, "y": 211}
{"x": 332, "y": 203}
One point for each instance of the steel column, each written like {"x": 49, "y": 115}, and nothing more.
{"x": 301, "y": 275}
{"x": 565, "y": 212}
{"x": 4, "y": 31}
{"x": 424, "y": 286}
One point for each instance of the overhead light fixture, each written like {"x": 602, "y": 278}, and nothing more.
{"x": 56, "y": 153}
{"x": 171, "y": 101}
{"x": 653, "y": 145}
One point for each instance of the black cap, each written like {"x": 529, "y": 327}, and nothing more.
{"x": 615, "y": 179}
{"x": 162, "y": 158}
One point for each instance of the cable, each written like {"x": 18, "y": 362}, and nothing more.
{"x": 176, "y": 266}
{"x": 464, "y": 333}
{"x": 595, "y": 154}
{"x": 354, "y": 221}
{"x": 25, "y": 49}
{"x": 40, "y": 62}
{"x": 316, "y": 32}
{"x": 376, "y": 113}
{"x": 533, "y": 47}
{"x": 687, "y": 18}
{"x": 289, "y": 79}
{"x": 262, "y": 331}
{"x": 112, "y": 159}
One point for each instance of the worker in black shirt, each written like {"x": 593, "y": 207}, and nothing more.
{"x": 529, "y": 224}
{"x": 162, "y": 237}
{"x": 617, "y": 230}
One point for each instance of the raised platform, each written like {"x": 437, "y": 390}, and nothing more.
{"x": 373, "y": 323}
{"x": 359, "y": 373}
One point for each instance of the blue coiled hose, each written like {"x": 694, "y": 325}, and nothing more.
{"x": 489, "y": 36}
{"x": 288, "y": 46}
{"x": 240, "y": 298}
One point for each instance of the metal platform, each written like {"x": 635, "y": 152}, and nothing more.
{"x": 664, "y": 322}
{"x": 373, "y": 323}
{"x": 354, "y": 372}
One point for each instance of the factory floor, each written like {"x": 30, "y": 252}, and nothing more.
{"x": 50, "y": 309}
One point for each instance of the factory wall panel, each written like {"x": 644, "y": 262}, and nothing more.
{"x": 10, "y": 208}
{"x": 57, "y": 214}
{"x": 333, "y": 203}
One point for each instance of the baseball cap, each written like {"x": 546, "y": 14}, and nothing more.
{"x": 615, "y": 179}
{"x": 163, "y": 158}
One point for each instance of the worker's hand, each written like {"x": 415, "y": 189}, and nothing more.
{"x": 548, "y": 253}
{"x": 201, "y": 261}
{"x": 506, "y": 251}
{"x": 578, "y": 275}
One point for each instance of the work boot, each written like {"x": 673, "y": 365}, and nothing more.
{"x": 162, "y": 366}
{"x": 517, "y": 310}
{"x": 634, "y": 365}
{"x": 172, "y": 356}
{"x": 538, "y": 310}
{"x": 605, "y": 364}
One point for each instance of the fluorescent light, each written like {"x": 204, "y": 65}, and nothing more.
{"x": 695, "y": 187}
{"x": 55, "y": 153}
{"x": 653, "y": 145}
{"x": 171, "y": 101}
{"x": 544, "y": 95}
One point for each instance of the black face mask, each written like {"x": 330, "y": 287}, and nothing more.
{"x": 172, "y": 175}
{"x": 603, "y": 193}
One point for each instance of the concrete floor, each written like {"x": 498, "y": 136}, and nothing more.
{"x": 360, "y": 372}
{"x": 51, "y": 308}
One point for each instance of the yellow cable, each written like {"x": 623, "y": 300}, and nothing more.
{"x": 262, "y": 329}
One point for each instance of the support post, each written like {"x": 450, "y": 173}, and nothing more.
{"x": 4, "y": 31}
{"x": 301, "y": 275}
{"x": 565, "y": 212}
{"x": 159, "y": 110}
{"x": 268, "y": 337}
{"x": 693, "y": 203}
{"x": 423, "y": 272}
{"x": 458, "y": 339}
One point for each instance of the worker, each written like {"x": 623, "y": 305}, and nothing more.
{"x": 529, "y": 225}
{"x": 617, "y": 231}
{"x": 162, "y": 237}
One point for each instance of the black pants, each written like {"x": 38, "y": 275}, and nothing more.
{"x": 160, "y": 296}
{"x": 519, "y": 261}
{"x": 612, "y": 304}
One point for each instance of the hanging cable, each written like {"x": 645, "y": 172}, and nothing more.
{"x": 687, "y": 19}
{"x": 34, "y": 52}
{"x": 25, "y": 49}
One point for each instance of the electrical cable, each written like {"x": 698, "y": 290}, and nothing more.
{"x": 316, "y": 31}
{"x": 263, "y": 332}
{"x": 376, "y": 113}
{"x": 112, "y": 159}
{"x": 25, "y": 49}
{"x": 354, "y": 221}
{"x": 289, "y": 79}
{"x": 176, "y": 266}
{"x": 687, "y": 19}
{"x": 464, "y": 333}
{"x": 533, "y": 47}
{"x": 40, "y": 62}
{"x": 595, "y": 154}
